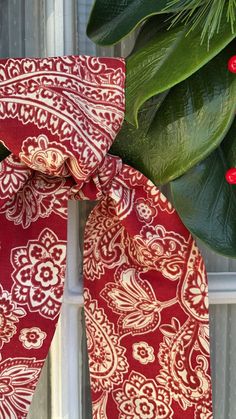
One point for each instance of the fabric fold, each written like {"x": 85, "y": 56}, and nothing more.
{"x": 145, "y": 285}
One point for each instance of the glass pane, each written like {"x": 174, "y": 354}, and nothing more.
{"x": 85, "y": 46}
{"x": 223, "y": 355}
{"x": 40, "y": 407}
{"x": 21, "y": 28}
{"x": 86, "y": 396}
{"x": 21, "y": 34}
{"x": 215, "y": 262}
{"x": 85, "y": 208}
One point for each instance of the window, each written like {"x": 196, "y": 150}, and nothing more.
{"x": 58, "y": 27}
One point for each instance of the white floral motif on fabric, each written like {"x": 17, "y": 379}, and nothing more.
{"x": 10, "y": 313}
{"x": 143, "y": 352}
{"x": 39, "y": 274}
{"x": 101, "y": 230}
{"x": 134, "y": 300}
{"x": 145, "y": 211}
{"x": 32, "y": 338}
{"x": 141, "y": 398}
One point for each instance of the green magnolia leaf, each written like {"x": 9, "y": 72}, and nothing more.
{"x": 4, "y": 152}
{"x": 167, "y": 59}
{"x": 149, "y": 30}
{"x": 112, "y": 20}
{"x": 206, "y": 202}
{"x": 229, "y": 145}
{"x": 180, "y": 128}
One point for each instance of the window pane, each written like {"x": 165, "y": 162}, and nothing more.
{"x": 85, "y": 46}
{"x": 86, "y": 396}
{"x": 223, "y": 353}
{"x": 215, "y": 262}
{"x": 21, "y": 34}
{"x": 21, "y": 28}
{"x": 40, "y": 406}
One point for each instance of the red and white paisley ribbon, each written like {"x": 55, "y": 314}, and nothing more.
{"x": 145, "y": 287}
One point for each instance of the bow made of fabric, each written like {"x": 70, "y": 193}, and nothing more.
{"x": 145, "y": 287}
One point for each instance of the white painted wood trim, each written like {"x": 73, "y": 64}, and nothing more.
{"x": 222, "y": 288}
{"x": 66, "y": 348}
{"x": 65, "y": 353}
{"x": 60, "y": 27}
{"x": 66, "y": 366}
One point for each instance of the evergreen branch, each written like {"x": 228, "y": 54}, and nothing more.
{"x": 207, "y": 13}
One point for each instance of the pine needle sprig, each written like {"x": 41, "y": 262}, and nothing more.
{"x": 205, "y": 13}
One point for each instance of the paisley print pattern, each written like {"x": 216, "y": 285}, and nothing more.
{"x": 18, "y": 378}
{"x": 99, "y": 407}
{"x": 13, "y": 176}
{"x": 41, "y": 154}
{"x": 38, "y": 198}
{"x": 107, "y": 363}
{"x": 161, "y": 202}
{"x": 145, "y": 286}
{"x": 194, "y": 291}
{"x": 188, "y": 385}
{"x": 102, "y": 248}
{"x": 75, "y": 98}
{"x": 160, "y": 249}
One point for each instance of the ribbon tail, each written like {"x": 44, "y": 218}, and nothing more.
{"x": 31, "y": 284}
{"x": 146, "y": 307}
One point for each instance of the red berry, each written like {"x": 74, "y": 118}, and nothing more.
{"x": 230, "y": 175}
{"x": 232, "y": 64}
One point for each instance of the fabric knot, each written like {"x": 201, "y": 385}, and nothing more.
{"x": 145, "y": 285}
{"x": 99, "y": 183}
